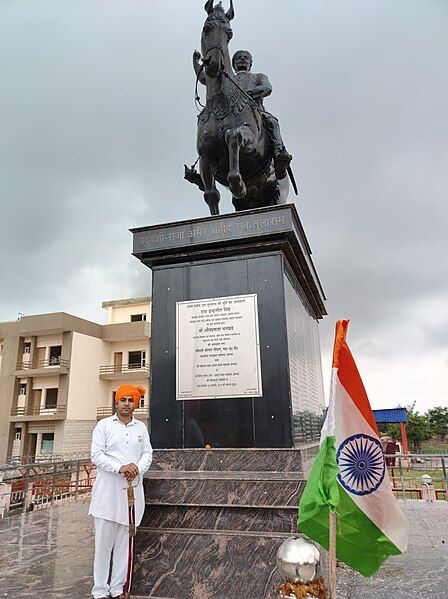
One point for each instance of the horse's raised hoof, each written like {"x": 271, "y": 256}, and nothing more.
{"x": 237, "y": 186}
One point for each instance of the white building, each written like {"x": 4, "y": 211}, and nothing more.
{"x": 59, "y": 374}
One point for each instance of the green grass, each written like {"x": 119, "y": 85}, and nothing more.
{"x": 435, "y": 446}
{"x": 415, "y": 474}
{"x": 412, "y": 479}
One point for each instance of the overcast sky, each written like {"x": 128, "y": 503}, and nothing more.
{"x": 97, "y": 119}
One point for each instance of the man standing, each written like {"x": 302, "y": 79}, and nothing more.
{"x": 122, "y": 453}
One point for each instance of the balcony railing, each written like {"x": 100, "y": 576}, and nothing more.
{"x": 121, "y": 368}
{"x": 39, "y": 411}
{"x": 105, "y": 412}
{"x": 57, "y": 361}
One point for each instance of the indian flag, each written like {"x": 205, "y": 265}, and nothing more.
{"x": 349, "y": 476}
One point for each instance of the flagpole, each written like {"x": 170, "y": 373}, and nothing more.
{"x": 332, "y": 555}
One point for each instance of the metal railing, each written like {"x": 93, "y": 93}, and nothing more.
{"x": 418, "y": 476}
{"x": 121, "y": 368}
{"x": 29, "y": 486}
{"x": 25, "y": 488}
{"x": 58, "y": 410}
{"x": 51, "y": 362}
{"x": 47, "y": 457}
{"x": 105, "y": 412}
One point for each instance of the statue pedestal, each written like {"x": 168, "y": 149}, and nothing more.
{"x": 215, "y": 518}
{"x": 214, "y": 521}
{"x": 262, "y": 253}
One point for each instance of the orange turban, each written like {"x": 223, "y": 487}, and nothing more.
{"x": 125, "y": 390}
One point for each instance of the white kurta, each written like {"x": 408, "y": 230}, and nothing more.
{"x": 115, "y": 444}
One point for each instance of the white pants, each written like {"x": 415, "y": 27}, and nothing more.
{"x": 110, "y": 535}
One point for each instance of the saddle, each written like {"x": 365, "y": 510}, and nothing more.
{"x": 222, "y": 104}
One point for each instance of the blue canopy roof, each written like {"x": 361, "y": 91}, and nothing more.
{"x": 391, "y": 415}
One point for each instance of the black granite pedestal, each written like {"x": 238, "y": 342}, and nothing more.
{"x": 262, "y": 252}
{"x": 214, "y": 520}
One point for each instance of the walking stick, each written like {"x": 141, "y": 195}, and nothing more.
{"x": 132, "y": 532}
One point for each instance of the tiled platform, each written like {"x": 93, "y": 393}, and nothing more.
{"x": 49, "y": 554}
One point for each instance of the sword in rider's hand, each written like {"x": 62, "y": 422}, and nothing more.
{"x": 132, "y": 532}
{"x": 293, "y": 181}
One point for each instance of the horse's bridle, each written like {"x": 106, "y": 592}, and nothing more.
{"x": 215, "y": 47}
{"x": 223, "y": 71}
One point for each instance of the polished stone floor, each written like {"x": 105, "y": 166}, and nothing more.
{"x": 49, "y": 554}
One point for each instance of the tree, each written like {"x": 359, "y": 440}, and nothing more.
{"x": 418, "y": 429}
{"x": 438, "y": 421}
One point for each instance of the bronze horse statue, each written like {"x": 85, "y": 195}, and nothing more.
{"x": 233, "y": 141}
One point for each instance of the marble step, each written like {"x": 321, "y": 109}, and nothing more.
{"x": 223, "y": 518}
{"x": 206, "y": 565}
{"x": 253, "y": 460}
{"x": 248, "y": 489}
{"x": 222, "y": 475}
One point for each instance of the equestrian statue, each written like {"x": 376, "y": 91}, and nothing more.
{"x": 239, "y": 143}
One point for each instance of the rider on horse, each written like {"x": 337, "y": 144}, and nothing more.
{"x": 238, "y": 142}
{"x": 257, "y": 86}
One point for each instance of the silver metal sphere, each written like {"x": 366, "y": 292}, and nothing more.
{"x": 299, "y": 560}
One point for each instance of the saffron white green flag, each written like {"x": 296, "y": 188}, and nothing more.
{"x": 349, "y": 476}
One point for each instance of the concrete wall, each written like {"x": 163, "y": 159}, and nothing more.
{"x": 86, "y": 390}
{"x": 49, "y": 340}
{"x": 123, "y": 313}
{"x": 77, "y": 435}
{"x": 39, "y": 428}
{"x": 126, "y": 346}
{"x": 9, "y": 389}
{"x": 16, "y": 444}
{"x": 45, "y": 382}
{"x": 21, "y": 399}
{"x": 64, "y": 380}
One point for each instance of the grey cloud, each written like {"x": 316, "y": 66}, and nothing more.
{"x": 97, "y": 119}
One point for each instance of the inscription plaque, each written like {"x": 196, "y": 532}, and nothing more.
{"x": 218, "y": 348}
{"x": 208, "y": 230}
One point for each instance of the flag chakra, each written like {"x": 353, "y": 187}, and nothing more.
{"x": 361, "y": 464}
{"x": 349, "y": 476}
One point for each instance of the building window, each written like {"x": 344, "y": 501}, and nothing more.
{"x": 137, "y": 317}
{"x": 55, "y": 355}
{"x": 137, "y": 359}
{"x": 142, "y": 402}
{"x": 27, "y": 347}
{"x": 22, "y": 390}
{"x": 51, "y": 399}
{"x": 18, "y": 434}
{"x": 47, "y": 442}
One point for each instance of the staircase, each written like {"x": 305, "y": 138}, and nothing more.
{"x": 214, "y": 520}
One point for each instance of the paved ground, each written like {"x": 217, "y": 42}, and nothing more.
{"x": 49, "y": 553}
{"x": 421, "y": 572}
